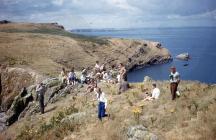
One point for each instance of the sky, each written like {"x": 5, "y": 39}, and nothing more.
{"x": 74, "y": 14}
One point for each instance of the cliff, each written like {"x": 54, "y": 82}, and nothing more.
{"x": 47, "y": 47}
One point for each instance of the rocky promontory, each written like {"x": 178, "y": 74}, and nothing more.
{"x": 46, "y": 47}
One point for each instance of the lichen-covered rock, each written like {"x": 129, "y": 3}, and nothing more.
{"x": 51, "y": 82}
{"x": 139, "y": 132}
{"x": 12, "y": 82}
{"x": 20, "y": 102}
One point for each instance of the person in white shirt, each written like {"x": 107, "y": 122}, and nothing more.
{"x": 107, "y": 77}
{"x": 102, "y": 103}
{"x": 155, "y": 93}
{"x": 97, "y": 66}
{"x": 174, "y": 81}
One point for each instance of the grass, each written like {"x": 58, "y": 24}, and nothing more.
{"x": 60, "y": 32}
{"x": 190, "y": 117}
{"x": 54, "y": 128}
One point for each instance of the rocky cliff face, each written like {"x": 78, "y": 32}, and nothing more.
{"x": 12, "y": 82}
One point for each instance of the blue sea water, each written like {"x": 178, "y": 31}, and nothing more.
{"x": 199, "y": 42}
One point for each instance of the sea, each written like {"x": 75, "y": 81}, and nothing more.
{"x": 199, "y": 42}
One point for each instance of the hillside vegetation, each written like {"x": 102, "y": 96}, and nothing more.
{"x": 31, "y": 53}
{"x": 48, "y": 47}
{"x": 74, "y": 116}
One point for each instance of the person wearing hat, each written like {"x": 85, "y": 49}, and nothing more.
{"x": 40, "y": 90}
{"x": 174, "y": 81}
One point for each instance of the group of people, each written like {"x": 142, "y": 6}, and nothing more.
{"x": 69, "y": 78}
{"x": 174, "y": 79}
{"x": 100, "y": 73}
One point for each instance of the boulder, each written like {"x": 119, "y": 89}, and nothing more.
{"x": 183, "y": 56}
{"x": 139, "y": 132}
{"x": 51, "y": 82}
{"x": 147, "y": 79}
{"x": 123, "y": 86}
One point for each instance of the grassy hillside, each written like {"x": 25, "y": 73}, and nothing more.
{"x": 48, "y": 29}
{"x": 48, "y": 47}
{"x": 190, "y": 117}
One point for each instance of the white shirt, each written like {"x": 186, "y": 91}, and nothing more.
{"x": 118, "y": 77}
{"x": 174, "y": 77}
{"x": 106, "y": 76}
{"x": 97, "y": 66}
{"x": 155, "y": 93}
{"x": 82, "y": 77}
{"x": 102, "y": 98}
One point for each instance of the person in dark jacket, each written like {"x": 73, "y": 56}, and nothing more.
{"x": 41, "y": 89}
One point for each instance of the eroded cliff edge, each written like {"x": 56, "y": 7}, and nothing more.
{"x": 48, "y": 47}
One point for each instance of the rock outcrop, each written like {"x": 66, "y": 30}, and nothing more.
{"x": 12, "y": 82}
{"x": 147, "y": 79}
{"x": 19, "y": 104}
{"x": 139, "y": 132}
{"x": 59, "y": 48}
{"x": 183, "y": 56}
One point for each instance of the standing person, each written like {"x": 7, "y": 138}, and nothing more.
{"x": 72, "y": 77}
{"x": 122, "y": 72}
{"x": 102, "y": 103}
{"x": 63, "y": 76}
{"x": 174, "y": 81}
{"x": 41, "y": 89}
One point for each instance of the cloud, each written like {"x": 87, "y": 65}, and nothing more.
{"x": 112, "y": 13}
{"x": 58, "y": 2}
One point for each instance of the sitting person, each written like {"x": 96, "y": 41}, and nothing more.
{"x": 92, "y": 85}
{"x": 72, "y": 77}
{"x": 107, "y": 77}
{"x": 155, "y": 93}
{"x": 63, "y": 76}
{"x": 102, "y": 68}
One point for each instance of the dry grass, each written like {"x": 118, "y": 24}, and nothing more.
{"x": 46, "y": 48}
{"x": 190, "y": 117}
